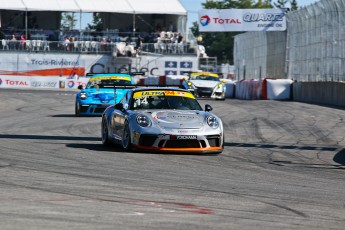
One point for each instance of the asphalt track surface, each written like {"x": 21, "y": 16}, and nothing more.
{"x": 283, "y": 167}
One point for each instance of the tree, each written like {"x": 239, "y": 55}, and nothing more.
{"x": 281, "y": 3}
{"x": 68, "y": 21}
{"x": 97, "y": 23}
{"x": 294, "y": 5}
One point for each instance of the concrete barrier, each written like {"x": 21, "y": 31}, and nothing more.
{"x": 328, "y": 93}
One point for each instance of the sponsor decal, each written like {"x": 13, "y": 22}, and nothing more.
{"x": 255, "y": 17}
{"x": 54, "y": 62}
{"x": 70, "y": 84}
{"x": 181, "y": 117}
{"x": 226, "y": 21}
{"x": 99, "y": 78}
{"x": 162, "y": 93}
{"x": 186, "y": 137}
{"x": 16, "y": 83}
{"x": 242, "y": 20}
{"x": 40, "y": 84}
{"x": 182, "y": 131}
{"x": 205, "y": 20}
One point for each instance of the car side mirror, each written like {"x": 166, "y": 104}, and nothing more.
{"x": 119, "y": 106}
{"x": 208, "y": 108}
{"x": 80, "y": 87}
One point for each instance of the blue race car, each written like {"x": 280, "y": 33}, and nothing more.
{"x": 100, "y": 93}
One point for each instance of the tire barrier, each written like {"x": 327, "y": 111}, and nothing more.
{"x": 248, "y": 89}
{"x": 267, "y": 89}
{"x": 278, "y": 89}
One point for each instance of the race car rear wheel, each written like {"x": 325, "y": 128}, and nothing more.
{"x": 126, "y": 138}
{"x": 105, "y": 135}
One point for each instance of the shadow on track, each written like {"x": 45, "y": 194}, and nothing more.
{"x": 340, "y": 157}
{"x": 41, "y": 137}
{"x": 270, "y": 146}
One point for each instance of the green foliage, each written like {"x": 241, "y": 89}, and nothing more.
{"x": 68, "y": 21}
{"x": 281, "y": 3}
{"x": 97, "y": 23}
{"x": 294, "y": 5}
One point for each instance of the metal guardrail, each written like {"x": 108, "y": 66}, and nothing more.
{"x": 91, "y": 47}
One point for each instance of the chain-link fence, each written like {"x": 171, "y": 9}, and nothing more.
{"x": 312, "y": 49}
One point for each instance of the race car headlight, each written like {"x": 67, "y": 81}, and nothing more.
{"x": 212, "y": 122}
{"x": 190, "y": 85}
{"x": 83, "y": 95}
{"x": 220, "y": 85}
{"x": 143, "y": 120}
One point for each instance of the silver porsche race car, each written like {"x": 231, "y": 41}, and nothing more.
{"x": 205, "y": 84}
{"x": 162, "y": 119}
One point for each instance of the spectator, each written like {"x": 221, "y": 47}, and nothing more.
{"x": 139, "y": 43}
{"x": 22, "y": 42}
{"x": 13, "y": 43}
{"x": 66, "y": 43}
{"x": 180, "y": 38}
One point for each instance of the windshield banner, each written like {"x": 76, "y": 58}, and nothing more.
{"x": 242, "y": 20}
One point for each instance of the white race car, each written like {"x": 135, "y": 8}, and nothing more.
{"x": 205, "y": 84}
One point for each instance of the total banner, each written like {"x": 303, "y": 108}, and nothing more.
{"x": 227, "y": 20}
{"x": 40, "y": 82}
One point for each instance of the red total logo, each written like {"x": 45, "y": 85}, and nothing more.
{"x": 226, "y": 20}
{"x": 18, "y": 83}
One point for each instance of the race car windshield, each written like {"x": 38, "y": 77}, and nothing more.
{"x": 204, "y": 77}
{"x": 166, "y": 102}
{"x": 107, "y": 83}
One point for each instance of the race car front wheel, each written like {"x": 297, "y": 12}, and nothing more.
{"x": 77, "y": 110}
{"x": 126, "y": 138}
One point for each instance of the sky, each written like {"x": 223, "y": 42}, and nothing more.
{"x": 192, "y": 7}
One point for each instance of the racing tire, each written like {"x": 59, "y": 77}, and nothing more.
{"x": 126, "y": 138}
{"x": 105, "y": 133}
{"x": 77, "y": 110}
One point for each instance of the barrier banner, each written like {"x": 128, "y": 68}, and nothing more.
{"x": 242, "y": 20}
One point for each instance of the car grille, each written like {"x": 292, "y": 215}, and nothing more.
{"x": 182, "y": 144}
{"x": 214, "y": 140}
{"x": 99, "y": 110}
{"x": 204, "y": 91}
{"x": 147, "y": 140}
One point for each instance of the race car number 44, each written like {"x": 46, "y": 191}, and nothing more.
{"x": 186, "y": 137}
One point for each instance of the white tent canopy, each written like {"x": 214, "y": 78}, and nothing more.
{"x": 12, "y": 5}
{"x": 110, "y": 6}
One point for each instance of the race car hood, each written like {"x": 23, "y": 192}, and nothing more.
{"x": 204, "y": 83}
{"x": 178, "y": 119}
{"x": 106, "y": 95}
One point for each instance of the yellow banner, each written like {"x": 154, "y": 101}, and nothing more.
{"x": 162, "y": 93}
{"x": 110, "y": 78}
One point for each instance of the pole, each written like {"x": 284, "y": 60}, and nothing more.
{"x": 134, "y": 24}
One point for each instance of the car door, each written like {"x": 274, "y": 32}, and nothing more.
{"x": 119, "y": 116}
